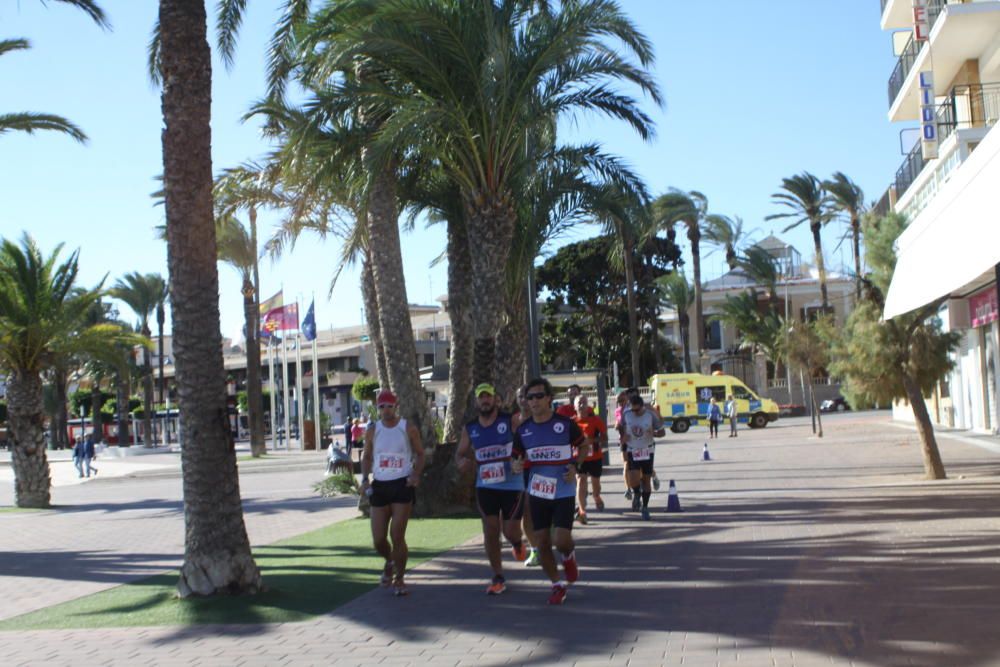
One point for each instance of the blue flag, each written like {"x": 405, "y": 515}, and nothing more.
{"x": 309, "y": 323}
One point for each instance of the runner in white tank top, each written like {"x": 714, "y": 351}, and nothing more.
{"x": 393, "y": 458}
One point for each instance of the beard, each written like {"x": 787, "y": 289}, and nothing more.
{"x": 484, "y": 411}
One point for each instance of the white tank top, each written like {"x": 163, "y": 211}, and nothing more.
{"x": 392, "y": 453}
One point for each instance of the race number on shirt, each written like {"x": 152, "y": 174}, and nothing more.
{"x": 390, "y": 462}
{"x": 641, "y": 454}
{"x": 492, "y": 473}
{"x": 543, "y": 487}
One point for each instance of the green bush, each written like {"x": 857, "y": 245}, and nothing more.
{"x": 342, "y": 482}
{"x": 365, "y": 388}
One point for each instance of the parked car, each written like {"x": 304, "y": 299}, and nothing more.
{"x": 838, "y": 404}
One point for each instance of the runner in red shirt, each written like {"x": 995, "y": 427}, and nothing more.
{"x": 593, "y": 465}
{"x": 568, "y": 409}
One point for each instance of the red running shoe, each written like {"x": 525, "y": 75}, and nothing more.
{"x": 572, "y": 571}
{"x": 521, "y": 554}
{"x": 558, "y": 594}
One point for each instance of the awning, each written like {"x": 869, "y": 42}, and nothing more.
{"x": 953, "y": 244}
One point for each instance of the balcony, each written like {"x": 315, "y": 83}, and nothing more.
{"x": 910, "y": 52}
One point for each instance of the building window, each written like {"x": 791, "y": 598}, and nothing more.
{"x": 428, "y": 359}
{"x": 713, "y": 335}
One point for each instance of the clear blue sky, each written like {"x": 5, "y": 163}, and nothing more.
{"x": 756, "y": 91}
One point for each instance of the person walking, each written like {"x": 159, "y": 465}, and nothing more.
{"x": 357, "y": 431}
{"x": 732, "y": 412}
{"x": 349, "y": 436}
{"x": 89, "y": 455}
{"x": 548, "y": 441}
{"x": 394, "y": 455}
{"x": 640, "y": 425}
{"x": 593, "y": 465}
{"x": 714, "y": 417}
{"x": 488, "y": 441}
{"x": 78, "y": 454}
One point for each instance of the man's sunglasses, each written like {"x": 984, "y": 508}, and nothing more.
{"x": 535, "y": 395}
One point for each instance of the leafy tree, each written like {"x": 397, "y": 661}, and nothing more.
{"x": 902, "y": 358}
{"x": 805, "y": 347}
{"x": 365, "y": 388}
{"x": 677, "y": 293}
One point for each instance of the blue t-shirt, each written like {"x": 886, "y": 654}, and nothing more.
{"x": 548, "y": 446}
{"x": 493, "y": 446}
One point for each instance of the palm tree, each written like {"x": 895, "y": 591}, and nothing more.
{"x": 475, "y": 80}
{"x": 143, "y": 294}
{"x": 760, "y": 267}
{"x": 807, "y": 202}
{"x": 678, "y": 294}
{"x": 727, "y": 233}
{"x": 848, "y": 198}
{"x": 42, "y": 320}
{"x": 31, "y": 122}
{"x": 691, "y": 209}
{"x": 217, "y": 553}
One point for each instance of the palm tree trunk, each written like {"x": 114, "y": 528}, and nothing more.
{"x": 685, "y": 327}
{"x": 217, "y": 554}
{"x": 96, "y": 426}
{"x": 491, "y": 229}
{"x": 512, "y": 346}
{"x": 161, "y": 317}
{"x": 460, "y": 315}
{"x": 25, "y": 414}
{"x": 633, "y": 317}
{"x": 255, "y": 406}
{"x": 694, "y": 237}
{"x": 370, "y": 301}
{"x": 147, "y": 393}
{"x": 62, "y": 413}
{"x": 820, "y": 265}
{"x": 256, "y": 415}
{"x": 933, "y": 466}
{"x": 121, "y": 402}
{"x": 856, "y": 242}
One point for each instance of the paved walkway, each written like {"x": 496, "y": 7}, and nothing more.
{"x": 791, "y": 551}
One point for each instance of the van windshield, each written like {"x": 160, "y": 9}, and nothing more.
{"x": 742, "y": 392}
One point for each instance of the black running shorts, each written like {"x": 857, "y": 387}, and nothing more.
{"x": 592, "y": 468}
{"x": 391, "y": 492}
{"x": 494, "y": 502}
{"x": 548, "y": 513}
{"x": 646, "y": 467}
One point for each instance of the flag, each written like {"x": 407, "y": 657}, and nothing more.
{"x": 267, "y": 324}
{"x": 283, "y": 318}
{"x": 309, "y": 324}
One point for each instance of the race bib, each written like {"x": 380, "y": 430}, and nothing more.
{"x": 492, "y": 473}
{"x": 390, "y": 462}
{"x": 641, "y": 454}
{"x": 543, "y": 487}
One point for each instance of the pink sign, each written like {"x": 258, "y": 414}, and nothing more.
{"x": 983, "y": 308}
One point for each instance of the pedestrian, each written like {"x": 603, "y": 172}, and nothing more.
{"x": 714, "y": 417}
{"x": 548, "y": 441}
{"x": 568, "y": 409}
{"x": 394, "y": 456}
{"x": 596, "y": 432}
{"x": 732, "y": 412}
{"x": 89, "y": 454}
{"x": 357, "y": 431}
{"x": 78, "y": 454}
{"x": 349, "y": 437}
{"x": 488, "y": 442}
{"x": 640, "y": 425}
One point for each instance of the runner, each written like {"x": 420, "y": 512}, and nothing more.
{"x": 597, "y": 433}
{"x": 622, "y": 406}
{"x": 568, "y": 409}
{"x": 548, "y": 440}
{"x": 640, "y": 424}
{"x": 488, "y": 441}
{"x": 522, "y": 412}
{"x": 394, "y": 449}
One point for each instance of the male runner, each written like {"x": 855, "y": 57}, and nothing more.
{"x": 489, "y": 440}
{"x": 593, "y": 465}
{"x": 394, "y": 451}
{"x": 521, "y": 413}
{"x": 548, "y": 439}
{"x": 639, "y": 423}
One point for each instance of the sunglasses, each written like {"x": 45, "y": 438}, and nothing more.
{"x": 386, "y": 405}
{"x": 535, "y": 395}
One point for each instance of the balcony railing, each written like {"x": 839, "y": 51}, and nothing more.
{"x": 969, "y": 105}
{"x": 884, "y": 205}
{"x": 912, "y": 49}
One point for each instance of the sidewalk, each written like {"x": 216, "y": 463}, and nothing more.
{"x": 792, "y": 550}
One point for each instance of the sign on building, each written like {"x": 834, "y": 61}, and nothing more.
{"x": 928, "y": 117}
{"x": 921, "y": 24}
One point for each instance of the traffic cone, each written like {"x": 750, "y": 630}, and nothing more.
{"x": 705, "y": 456}
{"x": 673, "y": 500}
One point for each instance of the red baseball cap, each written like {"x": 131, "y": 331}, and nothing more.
{"x": 385, "y": 397}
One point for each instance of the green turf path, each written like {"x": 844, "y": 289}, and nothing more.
{"x": 307, "y": 575}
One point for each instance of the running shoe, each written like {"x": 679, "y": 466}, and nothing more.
{"x": 532, "y": 560}
{"x": 399, "y": 589}
{"x": 497, "y": 586}
{"x": 387, "y": 573}
{"x": 572, "y": 571}
{"x": 645, "y": 514}
{"x": 582, "y": 517}
{"x": 599, "y": 503}
{"x": 628, "y": 493}
{"x": 636, "y": 503}
{"x": 656, "y": 484}
{"x": 558, "y": 594}
{"x": 520, "y": 554}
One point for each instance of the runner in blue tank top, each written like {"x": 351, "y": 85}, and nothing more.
{"x": 555, "y": 446}
{"x": 489, "y": 441}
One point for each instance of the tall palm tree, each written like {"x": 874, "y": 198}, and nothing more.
{"x": 31, "y": 122}
{"x": 691, "y": 210}
{"x": 143, "y": 293}
{"x": 727, "y": 233}
{"x": 42, "y": 320}
{"x": 807, "y": 202}
{"x": 477, "y": 79}
{"x": 678, "y": 294}
{"x": 847, "y": 198}
{"x": 217, "y": 555}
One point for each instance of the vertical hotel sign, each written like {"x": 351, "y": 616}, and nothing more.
{"x": 928, "y": 108}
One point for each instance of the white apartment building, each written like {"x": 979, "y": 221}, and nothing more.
{"x": 946, "y": 84}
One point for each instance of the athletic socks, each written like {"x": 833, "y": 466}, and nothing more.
{"x": 645, "y": 499}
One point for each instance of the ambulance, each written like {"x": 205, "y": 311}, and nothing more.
{"x": 683, "y": 399}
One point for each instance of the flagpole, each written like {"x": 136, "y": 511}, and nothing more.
{"x": 299, "y": 395}
{"x": 315, "y": 369}
{"x": 270, "y": 386}
{"x": 284, "y": 392}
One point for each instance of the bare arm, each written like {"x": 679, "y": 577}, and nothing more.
{"x": 417, "y": 447}
{"x": 367, "y": 455}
